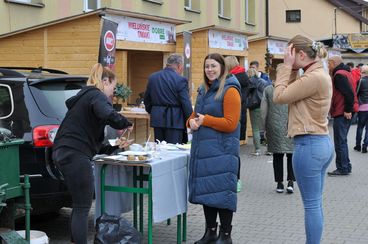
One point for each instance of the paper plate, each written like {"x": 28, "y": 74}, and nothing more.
{"x": 136, "y": 153}
{"x": 184, "y": 147}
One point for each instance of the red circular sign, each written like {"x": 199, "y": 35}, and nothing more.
{"x": 109, "y": 41}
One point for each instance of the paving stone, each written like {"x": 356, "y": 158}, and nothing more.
{"x": 264, "y": 216}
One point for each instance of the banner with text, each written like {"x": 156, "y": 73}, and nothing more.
{"x": 276, "y": 46}
{"x": 141, "y": 30}
{"x": 355, "y": 41}
{"x": 108, "y": 44}
{"x": 227, "y": 40}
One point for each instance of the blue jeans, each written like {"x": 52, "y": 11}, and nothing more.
{"x": 341, "y": 127}
{"x": 362, "y": 123}
{"x": 311, "y": 157}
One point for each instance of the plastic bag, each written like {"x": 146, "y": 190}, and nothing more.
{"x": 111, "y": 229}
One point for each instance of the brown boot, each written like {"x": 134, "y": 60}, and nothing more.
{"x": 209, "y": 237}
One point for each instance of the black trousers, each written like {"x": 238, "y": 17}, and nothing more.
{"x": 77, "y": 170}
{"x": 278, "y": 167}
{"x": 226, "y": 217}
{"x": 169, "y": 135}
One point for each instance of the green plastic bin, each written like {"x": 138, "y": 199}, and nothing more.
{"x": 9, "y": 168}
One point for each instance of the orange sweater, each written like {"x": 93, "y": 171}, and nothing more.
{"x": 228, "y": 123}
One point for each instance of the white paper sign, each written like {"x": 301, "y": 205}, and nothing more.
{"x": 141, "y": 30}
{"x": 227, "y": 40}
{"x": 276, "y": 47}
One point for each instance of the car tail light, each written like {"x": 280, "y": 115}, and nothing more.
{"x": 44, "y": 135}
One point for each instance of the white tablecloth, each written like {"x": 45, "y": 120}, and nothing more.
{"x": 169, "y": 186}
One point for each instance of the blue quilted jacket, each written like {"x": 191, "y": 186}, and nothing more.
{"x": 214, "y": 162}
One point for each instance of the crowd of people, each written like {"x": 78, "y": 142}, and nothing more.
{"x": 292, "y": 114}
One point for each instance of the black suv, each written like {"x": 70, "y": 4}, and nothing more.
{"x": 32, "y": 106}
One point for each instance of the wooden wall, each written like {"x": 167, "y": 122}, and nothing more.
{"x": 199, "y": 52}
{"x": 26, "y": 49}
{"x": 141, "y": 65}
{"x": 257, "y": 51}
{"x": 70, "y": 46}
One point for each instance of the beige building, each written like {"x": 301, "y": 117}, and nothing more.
{"x": 217, "y": 26}
{"x": 65, "y": 34}
{"x": 316, "y": 19}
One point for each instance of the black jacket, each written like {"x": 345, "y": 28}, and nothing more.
{"x": 83, "y": 126}
{"x": 363, "y": 90}
{"x": 167, "y": 100}
{"x": 343, "y": 85}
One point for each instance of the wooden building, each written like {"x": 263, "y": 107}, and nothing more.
{"x": 72, "y": 45}
{"x": 214, "y": 39}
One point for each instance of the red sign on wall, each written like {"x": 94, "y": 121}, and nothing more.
{"x": 106, "y": 55}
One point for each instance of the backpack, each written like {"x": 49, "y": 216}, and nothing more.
{"x": 255, "y": 92}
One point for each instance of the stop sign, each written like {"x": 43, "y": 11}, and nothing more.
{"x": 109, "y": 40}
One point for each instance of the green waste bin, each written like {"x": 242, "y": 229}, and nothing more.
{"x": 11, "y": 187}
{"x": 9, "y": 168}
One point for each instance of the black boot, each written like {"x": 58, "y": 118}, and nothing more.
{"x": 224, "y": 237}
{"x": 209, "y": 237}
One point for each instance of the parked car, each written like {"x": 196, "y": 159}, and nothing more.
{"x": 32, "y": 106}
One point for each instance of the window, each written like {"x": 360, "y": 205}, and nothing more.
{"x": 51, "y": 96}
{"x": 192, "y": 5}
{"x": 224, "y": 9}
{"x": 154, "y": 1}
{"x": 90, "y": 5}
{"x": 6, "y": 102}
{"x": 293, "y": 16}
{"x": 32, "y": 3}
{"x": 250, "y": 11}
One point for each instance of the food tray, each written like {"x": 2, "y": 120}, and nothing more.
{"x": 124, "y": 159}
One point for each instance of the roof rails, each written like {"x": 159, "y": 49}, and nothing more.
{"x": 9, "y": 71}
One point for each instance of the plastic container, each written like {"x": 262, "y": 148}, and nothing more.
{"x": 37, "y": 237}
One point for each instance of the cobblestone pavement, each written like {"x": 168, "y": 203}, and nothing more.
{"x": 265, "y": 216}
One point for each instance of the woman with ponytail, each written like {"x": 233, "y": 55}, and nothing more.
{"x": 309, "y": 99}
{"x": 80, "y": 137}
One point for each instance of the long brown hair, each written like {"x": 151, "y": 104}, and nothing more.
{"x": 220, "y": 59}
{"x": 311, "y": 48}
{"x": 98, "y": 73}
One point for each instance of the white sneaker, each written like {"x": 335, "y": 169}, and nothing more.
{"x": 280, "y": 187}
{"x": 290, "y": 187}
{"x": 256, "y": 153}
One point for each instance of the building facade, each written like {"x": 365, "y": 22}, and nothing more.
{"x": 317, "y": 19}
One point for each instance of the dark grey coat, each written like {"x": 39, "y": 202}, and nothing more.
{"x": 275, "y": 121}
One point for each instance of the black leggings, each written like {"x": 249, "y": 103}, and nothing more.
{"x": 226, "y": 217}
{"x": 278, "y": 167}
{"x": 77, "y": 170}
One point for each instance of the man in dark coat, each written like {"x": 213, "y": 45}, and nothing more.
{"x": 167, "y": 100}
{"x": 342, "y": 109}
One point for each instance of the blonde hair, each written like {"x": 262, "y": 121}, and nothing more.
{"x": 98, "y": 73}
{"x": 252, "y": 72}
{"x": 311, "y": 48}
{"x": 231, "y": 62}
{"x": 220, "y": 59}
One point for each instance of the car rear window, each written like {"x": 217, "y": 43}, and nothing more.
{"x": 51, "y": 96}
{"x": 6, "y": 101}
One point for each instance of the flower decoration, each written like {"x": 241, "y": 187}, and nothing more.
{"x": 317, "y": 46}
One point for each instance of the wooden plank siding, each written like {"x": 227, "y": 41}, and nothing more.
{"x": 70, "y": 46}
{"x": 25, "y": 49}
{"x": 199, "y": 52}
{"x": 257, "y": 51}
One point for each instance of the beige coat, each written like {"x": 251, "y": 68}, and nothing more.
{"x": 308, "y": 96}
